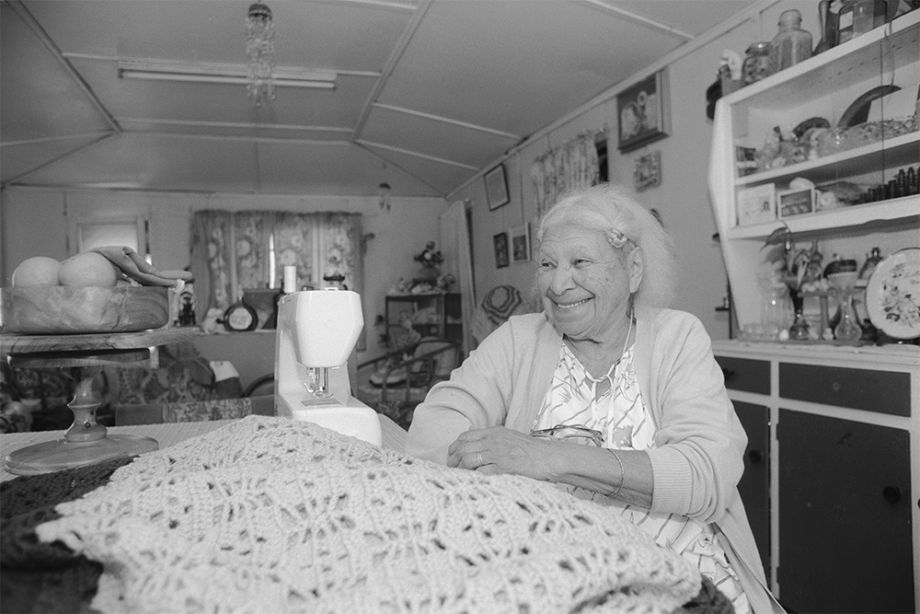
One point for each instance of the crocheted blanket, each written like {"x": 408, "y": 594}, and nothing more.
{"x": 273, "y": 515}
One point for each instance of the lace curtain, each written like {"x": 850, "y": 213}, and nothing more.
{"x": 570, "y": 166}
{"x": 233, "y": 251}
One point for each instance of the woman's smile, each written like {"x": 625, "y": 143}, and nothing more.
{"x": 571, "y": 305}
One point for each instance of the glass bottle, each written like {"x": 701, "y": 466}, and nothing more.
{"x": 858, "y": 17}
{"x": 757, "y": 64}
{"x": 774, "y": 307}
{"x": 872, "y": 260}
{"x": 848, "y": 329}
{"x": 867, "y": 15}
{"x": 792, "y": 44}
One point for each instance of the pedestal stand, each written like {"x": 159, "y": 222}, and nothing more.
{"x": 86, "y": 441}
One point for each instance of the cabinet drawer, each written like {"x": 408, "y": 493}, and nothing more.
{"x": 884, "y": 392}
{"x": 745, "y": 374}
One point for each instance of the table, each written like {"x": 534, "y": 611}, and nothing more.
{"x": 169, "y": 434}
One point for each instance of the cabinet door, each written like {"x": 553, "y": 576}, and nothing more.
{"x": 755, "y": 483}
{"x": 844, "y": 516}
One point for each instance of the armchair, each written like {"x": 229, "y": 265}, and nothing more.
{"x": 396, "y": 382}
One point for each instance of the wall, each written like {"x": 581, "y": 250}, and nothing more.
{"x": 682, "y": 197}
{"x": 42, "y": 222}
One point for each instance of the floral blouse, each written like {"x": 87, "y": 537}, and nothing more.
{"x": 614, "y": 406}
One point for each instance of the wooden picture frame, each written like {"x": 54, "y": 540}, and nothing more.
{"x": 500, "y": 242}
{"x": 520, "y": 243}
{"x": 643, "y": 113}
{"x": 497, "y": 187}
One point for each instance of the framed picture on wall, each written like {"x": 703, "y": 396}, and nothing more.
{"x": 520, "y": 243}
{"x": 643, "y": 112}
{"x": 497, "y": 187}
{"x": 648, "y": 171}
{"x": 500, "y": 241}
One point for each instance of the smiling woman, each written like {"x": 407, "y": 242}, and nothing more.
{"x": 607, "y": 356}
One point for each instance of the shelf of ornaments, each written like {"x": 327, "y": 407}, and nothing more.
{"x": 822, "y": 86}
{"x": 870, "y": 57}
{"x": 892, "y": 153}
{"x": 893, "y": 212}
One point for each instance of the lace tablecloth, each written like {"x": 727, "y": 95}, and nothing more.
{"x": 265, "y": 514}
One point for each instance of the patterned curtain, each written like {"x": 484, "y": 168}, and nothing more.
{"x": 212, "y": 258}
{"x": 573, "y": 165}
{"x": 231, "y": 251}
{"x": 294, "y": 246}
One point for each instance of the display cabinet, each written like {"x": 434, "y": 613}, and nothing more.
{"x": 758, "y": 184}
{"x": 431, "y": 314}
{"x": 831, "y": 483}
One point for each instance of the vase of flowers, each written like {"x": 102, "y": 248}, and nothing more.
{"x": 429, "y": 258}
{"x": 800, "y": 270}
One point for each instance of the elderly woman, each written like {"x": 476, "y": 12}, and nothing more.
{"x": 608, "y": 393}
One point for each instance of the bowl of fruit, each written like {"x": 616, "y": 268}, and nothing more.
{"x": 100, "y": 291}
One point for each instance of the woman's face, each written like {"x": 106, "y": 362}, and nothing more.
{"x": 585, "y": 282}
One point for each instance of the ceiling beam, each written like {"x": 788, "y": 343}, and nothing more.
{"x": 14, "y": 180}
{"x": 398, "y": 51}
{"x": 387, "y": 162}
{"x": 639, "y": 19}
{"x": 398, "y": 6}
{"x": 416, "y": 154}
{"x": 128, "y": 121}
{"x": 446, "y": 120}
{"x": 53, "y": 139}
{"x": 27, "y": 18}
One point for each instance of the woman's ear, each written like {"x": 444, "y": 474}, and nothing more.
{"x": 636, "y": 269}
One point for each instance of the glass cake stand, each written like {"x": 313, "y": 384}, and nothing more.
{"x": 86, "y": 441}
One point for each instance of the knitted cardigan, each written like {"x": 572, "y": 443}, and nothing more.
{"x": 699, "y": 444}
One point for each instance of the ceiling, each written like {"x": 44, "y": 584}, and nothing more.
{"x": 428, "y": 92}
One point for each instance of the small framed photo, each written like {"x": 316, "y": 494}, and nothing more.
{"x": 648, "y": 171}
{"x": 795, "y": 202}
{"x": 520, "y": 243}
{"x": 757, "y": 204}
{"x": 497, "y": 187}
{"x": 500, "y": 241}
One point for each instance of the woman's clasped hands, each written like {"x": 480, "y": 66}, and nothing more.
{"x": 499, "y": 449}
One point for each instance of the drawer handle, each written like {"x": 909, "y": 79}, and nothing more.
{"x": 892, "y": 494}
{"x": 755, "y": 456}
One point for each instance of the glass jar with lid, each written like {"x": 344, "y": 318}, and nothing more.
{"x": 757, "y": 64}
{"x": 792, "y": 44}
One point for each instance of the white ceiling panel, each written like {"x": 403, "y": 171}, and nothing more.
{"x": 428, "y": 91}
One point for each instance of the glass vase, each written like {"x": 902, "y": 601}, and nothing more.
{"x": 847, "y": 329}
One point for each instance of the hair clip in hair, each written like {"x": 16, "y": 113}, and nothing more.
{"x": 617, "y": 239}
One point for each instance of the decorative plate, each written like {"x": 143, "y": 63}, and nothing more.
{"x": 893, "y": 294}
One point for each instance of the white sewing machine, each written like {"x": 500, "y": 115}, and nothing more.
{"x": 316, "y": 333}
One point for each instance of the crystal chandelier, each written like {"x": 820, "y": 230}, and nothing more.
{"x": 260, "y": 49}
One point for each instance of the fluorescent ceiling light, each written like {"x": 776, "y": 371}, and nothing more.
{"x": 222, "y": 73}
